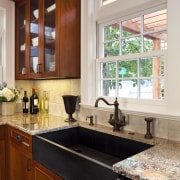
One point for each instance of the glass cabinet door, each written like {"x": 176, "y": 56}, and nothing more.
{"x": 21, "y": 38}
{"x": 49, "y": 35}
{"x": 34, "y": 36}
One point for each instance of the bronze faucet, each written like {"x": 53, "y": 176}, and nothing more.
{"x": 119, "y": 119}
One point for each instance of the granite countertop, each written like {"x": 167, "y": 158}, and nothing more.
{"x": 160, "y": 162}
{"x": 36, "y": 124}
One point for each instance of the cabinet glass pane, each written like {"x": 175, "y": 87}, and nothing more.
{"x": 22, "y": 23}
{"x": 34, "y": 36}
{"x": 49, "y": 35}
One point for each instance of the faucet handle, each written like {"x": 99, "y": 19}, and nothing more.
{"x": 91, "y": 120}
{"x": 111, "y": 121}
{"x": 123, "y": 120}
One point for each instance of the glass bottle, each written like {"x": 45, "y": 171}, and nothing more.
{"x": 25, "y": 102}
{"x": 44, "y": 103}
{"x": 34, "y": 102}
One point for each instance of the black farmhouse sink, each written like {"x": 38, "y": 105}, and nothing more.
{"x": 80, "y": 153}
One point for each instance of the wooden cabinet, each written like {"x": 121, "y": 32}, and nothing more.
{"x": 42, "y": 173}
{"x": 19, "y": 157}
{"x": 48, "y": 39}
{"x": 2, "y": 152}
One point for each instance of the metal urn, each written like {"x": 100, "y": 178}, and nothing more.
{"x": 70, "y": 106}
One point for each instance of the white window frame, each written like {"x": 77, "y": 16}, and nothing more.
{"x": 159, "y": 53}
{"x": 90, "y": 16}
{"x": 131, "y": 103}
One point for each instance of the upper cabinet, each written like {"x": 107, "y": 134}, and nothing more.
{"x": 48, "y": 39}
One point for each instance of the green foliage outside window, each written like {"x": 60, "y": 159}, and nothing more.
{"x": 130, "y": 45}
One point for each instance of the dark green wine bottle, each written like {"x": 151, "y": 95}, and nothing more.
{"x": 34, "y": 102}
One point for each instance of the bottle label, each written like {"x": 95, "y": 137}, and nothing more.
{"x": 46, "y": 105}
{"x": 25, "y": 105}
{"x": 35, "y": 102}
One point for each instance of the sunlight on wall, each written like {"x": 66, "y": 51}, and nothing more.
{"x": 55, "y": 89}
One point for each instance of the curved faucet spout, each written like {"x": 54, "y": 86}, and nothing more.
{"x": 97, "y": 100}
{"x": 115, "y": 120}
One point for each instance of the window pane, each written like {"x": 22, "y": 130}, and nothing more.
{"x": 155, "y": 41}
{"x": 152, "y": 66}
{"x": 108, "y": 88}
{"x": 152, "y": 88}
{"x": 111, "y": 49}
{"x": 111, "y": 32}
{"x": 155, "y": 21}
{"x": 128, "y": 88}
{"x": 108, "y": 70}
{"x": 146, "y": 89}
{"x": 146, "y": 65}
{"x": 127, "y": 69}
{"x": 131, "y": 27}
{"x": 131, "y": 45}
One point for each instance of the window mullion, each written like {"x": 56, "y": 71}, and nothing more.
{"x": 142, "y": 33}
{"x": 138, "y": 79}
{"x": 117, "y": 84}
{"x": 120, "y": 38}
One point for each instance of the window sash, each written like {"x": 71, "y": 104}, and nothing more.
{"x": 121, "y": 56}
{"x": 116, "y": 78}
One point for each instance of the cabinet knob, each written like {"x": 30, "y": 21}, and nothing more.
{"x": 19, "y": 138}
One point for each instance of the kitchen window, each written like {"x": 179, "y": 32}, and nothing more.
{"x": 132, "y": 56}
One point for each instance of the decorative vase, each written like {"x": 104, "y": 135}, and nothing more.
{"x": 7, "y": 108}
{"x": 70, "y": 106}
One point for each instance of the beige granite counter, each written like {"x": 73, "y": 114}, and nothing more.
{"x": 36, "y": 124}
{"x": 161, "y": 162}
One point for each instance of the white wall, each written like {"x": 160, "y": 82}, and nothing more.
{"x": 88, "y": 49}
{"x": 173, "y": 57}
{"x": 8, "y": 53}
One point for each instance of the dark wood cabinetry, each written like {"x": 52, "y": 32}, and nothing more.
{"x": 48, "y": 39}
{"x": 19, "y": 157}
{"x": 42, "y": 173}
{"x": 20, "y": 164}
{"x": 2, "y": 152}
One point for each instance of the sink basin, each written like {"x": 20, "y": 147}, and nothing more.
{"x": 80, "y": 153}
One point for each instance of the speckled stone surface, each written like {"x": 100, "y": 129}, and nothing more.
{"x": 36, "y": 124}
{"x": 161, "y": 162}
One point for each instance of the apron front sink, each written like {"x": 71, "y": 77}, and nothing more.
{"x": 80, "y": 153}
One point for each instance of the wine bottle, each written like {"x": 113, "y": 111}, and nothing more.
{"x": 25, "y": 103}
{"x": 44, "y": 103}
{"x": 34, "y": 102}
